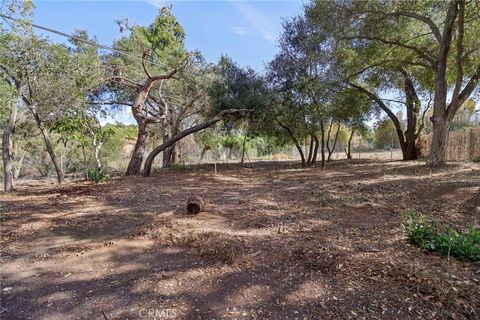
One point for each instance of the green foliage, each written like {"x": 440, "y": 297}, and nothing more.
{"x": 235, "y": 87}
{"x": 162, "y": 43}
{"x": 385, "y": 135}
{"x": 97, "y": 175}
{"x": 232, "y": 141}
{"x": 81, "y": 129}
{"x": 178, "y": 167}
{"x": 419, "y": 230}
{"x": 447, "y": 241}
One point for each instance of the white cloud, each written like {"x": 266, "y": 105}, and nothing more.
{"x": 157, "y": 3}
{"x": 257, "y": 19}
{"x": 239, "y": 31}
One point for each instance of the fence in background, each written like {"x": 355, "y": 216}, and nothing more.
{"x": 462, "y": 145}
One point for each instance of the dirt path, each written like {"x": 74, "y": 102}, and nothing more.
{"x": 276, "y": 242}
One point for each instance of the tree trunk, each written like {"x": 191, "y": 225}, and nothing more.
{"x": 297, "y": 145}
{"x": 136, "y": 160}
{"x": 330, "y": 152}
{"x": 328, "y": 136}
{"x": 173, "y": 154}
{"x": 18, "y": 167}
{"x": 97, "y": 145}
{"x": 391, "y": 115}
{"x": 322, "y": 137}
{"x": 6, "y": 155}
{"x": 135, "y": 164}
{"x": 169, "y": 156}
{"x": 410, "y": 146}
{"x": 438, "y": 151}
{"x": 204, "y": 151}
{"x": 310, "y": 151}
{"x": 85, "y": 162}
{"x": 315, "y": 150}
{"x": 48, "y": 143}
{"x": 412, "y": 103}
{"x": 243, "y": 149}
{"x": 166, "y": 154}
{"x": 439, "y": 119}
{"x": 349, "y": 145}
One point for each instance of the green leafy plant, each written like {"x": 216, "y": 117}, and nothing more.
{"x": 97, "y": 175}
{"x": 177, "y": 166}
{"x": 447, "y": 241}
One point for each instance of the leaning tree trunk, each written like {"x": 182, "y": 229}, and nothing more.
{"x": 349, "y": 145}
{"x": 6, "y": 155}
{"x": 48, "y": 143}
{"x": 297, "y": 145}
{"x": 151, "y": 157}
{"x": 391, "y": 115}
{"x": 135, "y": 164}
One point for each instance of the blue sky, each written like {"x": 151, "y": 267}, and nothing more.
{"x": 244, "y": 30}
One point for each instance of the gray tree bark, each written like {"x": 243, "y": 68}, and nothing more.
{"x": 6, "y": 154}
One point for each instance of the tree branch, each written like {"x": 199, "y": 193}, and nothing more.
{"x": 466, "y": 92}
{"x": 459, "y": 58}
{"x": 422, "y": 18}
{"x": 127, "y": 81}
{"x": 419, "y": 51}
{"x": 186, "y": 132}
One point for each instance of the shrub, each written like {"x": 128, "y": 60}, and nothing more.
{"x": 281, "y": 156}
{"x": 97, "y": 175}
{"x": 177, "y": 166}
{"x": 447, "y": 241}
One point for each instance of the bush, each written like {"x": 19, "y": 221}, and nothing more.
{"x": 97, "y": 175}
{"x": 281, "y": 156}
{"x": 177, "y": 166}
{"x": 447, "y": 241}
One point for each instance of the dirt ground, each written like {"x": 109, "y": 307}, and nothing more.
{"x": 276, "y": 242}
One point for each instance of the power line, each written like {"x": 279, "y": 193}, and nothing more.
{"x": 63, "y": 34}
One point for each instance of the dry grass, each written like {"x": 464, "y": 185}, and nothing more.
{"x": 275, "y": 242}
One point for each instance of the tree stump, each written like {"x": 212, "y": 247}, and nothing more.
{"x": 195, "y": 205}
